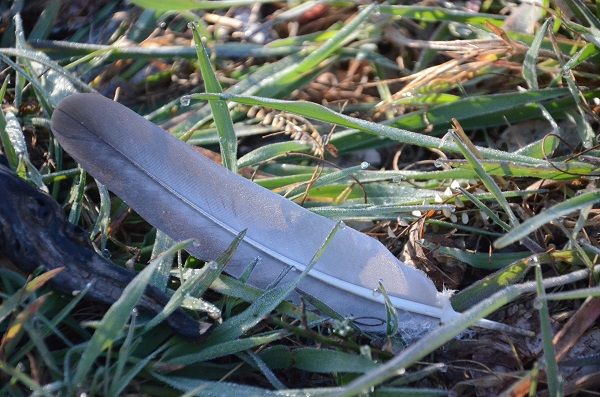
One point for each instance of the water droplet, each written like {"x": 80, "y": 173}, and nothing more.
{"x": 364, "y": 165}
{"x": 342, "y": 225}
{"x": 106, "y": 253}
{"x": 537, "y": 304}
{"x": 438, "y": 163}
{"x": 191, "y": 25}
{"x": 185, "y": 100}
{"x": 195, "y": 244}
{"x": 398, "y": 179}
{"x": 162, "y": 25}
{"x": 213, "y": 265}
{"x": 134, "y": 312}
{"x": 464, "y": 218}
{"x": 376, "y": 292}
{"x": 401, "y": 371}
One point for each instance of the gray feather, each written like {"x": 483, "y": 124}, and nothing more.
{"x": 186, "y": 195}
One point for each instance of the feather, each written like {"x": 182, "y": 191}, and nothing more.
{"x": 186, "y": 195}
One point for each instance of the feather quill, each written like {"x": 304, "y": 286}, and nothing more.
{"x": 186, "y": 195}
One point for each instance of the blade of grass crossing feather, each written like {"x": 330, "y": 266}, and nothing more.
{"x": 235, "y": 326}
{"x": 553, "y": 377}
{"x": 221, "y": 116}
{"x": 318, "y": 112}
{"x": 103, "y": 220}
{"x": 160, "y": 278}
{"x": 197, "y": 284}
{"x": 391, "y": 321}
{"x": 111, "y": 326}
{"x": 76, "y": 197}
{"x": 530, "y": 225}
{"x": 428, "y": 344}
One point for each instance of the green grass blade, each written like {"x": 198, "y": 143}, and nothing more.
{"x": 530, "y": 225}
{"x": 271, "y": 151}
{"x": 181, "y": 356}
{"x": 183, "y": 5}
{"x": 439, "y": 14}
{"x": 111, "y": 326}
{"x": 530, "y": 61}
{"x": 160, "y": 278}
{"x": 321, "y": 113}
{"x": 196, "y": 285}
{"x": 237, "y": 325}
{"x": 553, "y": 377}
{"x": 487, "y": 180}
{"x": 221, "y": 116}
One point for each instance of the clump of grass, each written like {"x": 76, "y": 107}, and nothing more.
{"x": 385, "y": 83}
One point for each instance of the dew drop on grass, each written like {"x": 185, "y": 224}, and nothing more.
{"x": 537, "y": 304}
{"x": 438, "y": 163}
{"x": 162, "y": 25}
{"x": 364, "y": 165}
{"x": 185, "y": 100}
{"x": 213, "y": 265}
{"x": 191, "y": 25}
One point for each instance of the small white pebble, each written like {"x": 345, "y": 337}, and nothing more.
{"x": 464, "y": 218}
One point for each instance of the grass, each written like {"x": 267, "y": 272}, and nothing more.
{"x": 466, "y": 149}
